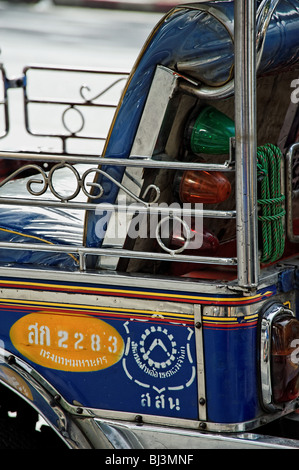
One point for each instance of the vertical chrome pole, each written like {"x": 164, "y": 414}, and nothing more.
{"x": 245, "y": 121}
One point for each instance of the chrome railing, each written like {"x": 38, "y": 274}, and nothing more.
{"x": 39, "y": 190}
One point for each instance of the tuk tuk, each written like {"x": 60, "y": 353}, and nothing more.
{"x": 149, "y": 290}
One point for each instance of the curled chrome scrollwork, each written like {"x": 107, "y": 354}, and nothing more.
{"x": 46, "y": 181}
{"x": 121, "y": 186}
{"x": 32, "y": 168}
{"x": 86, "y": 88}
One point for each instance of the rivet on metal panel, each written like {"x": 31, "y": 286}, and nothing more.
{"x": 138, "y": 419}
{"x": 11, "y": 360}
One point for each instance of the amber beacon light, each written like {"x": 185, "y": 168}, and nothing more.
{"x": 202, "y": 187}
{"x": 207, "y": 133}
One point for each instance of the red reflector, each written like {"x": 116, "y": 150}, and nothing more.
{"x": 209, "y": 244}
{"x": 203, "y": 187}
{"x": 285, "y": 358}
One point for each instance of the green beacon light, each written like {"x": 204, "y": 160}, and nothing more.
{"x": 210, "y": 132}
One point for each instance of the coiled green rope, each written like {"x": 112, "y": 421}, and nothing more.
{"x": 271, "y": 203}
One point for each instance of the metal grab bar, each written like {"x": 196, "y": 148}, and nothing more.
{"x": 134, "y": 162}
{"x": 246, "y": 146}
{"x": 83, "y": 251}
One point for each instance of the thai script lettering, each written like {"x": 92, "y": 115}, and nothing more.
{"x": 76, "y": 363}
{"x": 159, "y": 402}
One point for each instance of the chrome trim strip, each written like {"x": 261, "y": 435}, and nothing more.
{"x": 200, "y": 364}
{"x": 132, "y": 436}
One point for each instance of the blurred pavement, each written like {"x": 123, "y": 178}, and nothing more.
{"x": 139, "y": 5}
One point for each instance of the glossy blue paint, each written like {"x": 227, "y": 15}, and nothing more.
{"x": 156, "y": 374}
{"x": 42, "y": 226}
{"x": 231, "y": 373}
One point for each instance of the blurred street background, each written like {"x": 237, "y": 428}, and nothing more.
{"x": 106, "y": 35}
{"x": 50, "y": 33}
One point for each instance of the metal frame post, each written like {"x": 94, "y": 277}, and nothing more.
{"x": 245, "y": 122}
